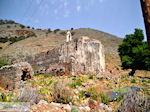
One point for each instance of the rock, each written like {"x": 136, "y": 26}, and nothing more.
{"x": 105, "y": 107}
{"x": 85, "y": 109}
{"x": 113, "y": 94}
{"x": 43, "y": 102}
{"x": 92, "y": 104}
{"x": 12, "y": 75}
{"x": 67, "y": 108}
{"x": 109, "y": 109}
{"x": 100, "y": 77}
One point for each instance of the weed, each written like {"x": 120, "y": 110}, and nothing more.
{"x": 134, "y": 102}
{"x": 50, "y": 82}
{"x": 61, "y": 94}
{"x": 91, "y": 77}
{"x": 104, "y": 98}
{"x": 29, "y": 95}
{"x": 120, "y": 98}
{"x": 122, "y": 90}
{"x": 77, "y": 82}
{"x": 133, "y": 81}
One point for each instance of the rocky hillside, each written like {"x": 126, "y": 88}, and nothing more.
{"x": 44, "y": 39}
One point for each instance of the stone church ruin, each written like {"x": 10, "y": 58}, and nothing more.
{"x": 82, "y": 54}
{"x": 79, "y": 55}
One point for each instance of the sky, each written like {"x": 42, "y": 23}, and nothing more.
{"x": 117, "y": 17}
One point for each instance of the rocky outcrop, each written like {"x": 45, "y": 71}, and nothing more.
{"x": 11, "y": 75}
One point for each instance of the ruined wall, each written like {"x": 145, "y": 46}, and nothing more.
{"x": 11, "y": 75}
{"x": 78, "y": 55}
{"x": 84, "y": 54}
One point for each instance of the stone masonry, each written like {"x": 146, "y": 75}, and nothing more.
{"x": 11, "y": 75}
{"x": 78, "y": 55}
{"x": 84, "y": 55}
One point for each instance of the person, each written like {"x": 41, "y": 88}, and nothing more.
{"x": 68, "y": 36}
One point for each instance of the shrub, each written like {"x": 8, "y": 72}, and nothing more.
{"x": 55, "y": 31}
{"x": 28, "y": 26}
{"x": 49, "y": 30}
{"x": 62, "y": 94}
{"x": 4, "y": 62}
{"x": 4, "y": 39}
{"x": 120, "y": 98}
{"x": 134, "y": 102}
{"x": 63, "y": 33}
{"x": 1, "y": 47}
{"x": 122, "y": 90}
{"x": 32, "y": 35}
{"x": 8, "y": 26}
{"x": 104, "y": 97}
{"x": 73, "y": 33}
{"x": 133, "y": 81}
{"x": 91, "y": 77}
{"x": 22, "y": 26}
{"x": 29, "y": 94}
{"x": 77, "y": 82}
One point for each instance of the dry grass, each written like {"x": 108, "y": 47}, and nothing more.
{"x": 62, "y": 94}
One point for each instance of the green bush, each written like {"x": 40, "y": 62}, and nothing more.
{"x": 91, "y": 77}
{"x": 133, "y": 81}
{"x": 120, "y": 98}
{"x": 4, "y": 39}
{"x": 104, "y": 98}
{"x": 77, "y": 82}
{"x": 4, "y": 63}
{"x": 28, "y": 26}
{"x": 55, "y": 31}
{"x": 22, "y": 26}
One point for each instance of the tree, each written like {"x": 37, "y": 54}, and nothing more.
{"x": 22, "y": 26}
{"x": 55, "y": 31}
{"x": 28, "y": 27}
{"x": 134, "y": 52}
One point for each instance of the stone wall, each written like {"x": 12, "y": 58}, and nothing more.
{"x": 78, "y": 55}
{"x": 84, "y": 54}
{"x": 11, "y": 75}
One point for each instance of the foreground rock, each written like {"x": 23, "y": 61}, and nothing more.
{"x": 12, "y": 75}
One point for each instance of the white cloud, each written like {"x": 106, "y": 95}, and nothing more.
{"x": 78, "y": 8}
